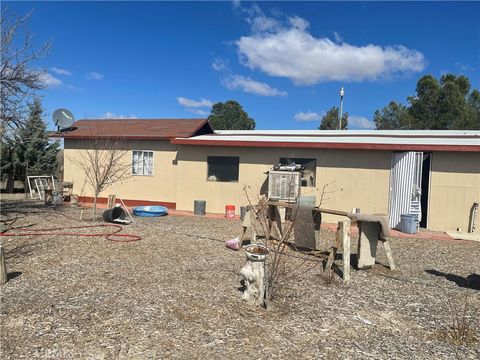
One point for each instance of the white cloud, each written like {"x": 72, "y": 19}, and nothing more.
{"x": 60, "y": 71}
{"x": 360, "y": 122}
{"x": 111, "y": 115}
{"x": 194, "y": 103}
{"x": 264, "y": 23}
{"x": 51, "y": 81}
{"x": 291, "y": 51}
{"x": 338, "y": 38}
{"x": 198, "y": 111}
{"x": 246, "y": 84}
{"x": 307, "y": 116}
{"x": 74, "y": 88}
{"x": 94, "y": 76}
{"x": 220, "y": 65}
{"x": 298, "y": 23}
{"x": 464, "y": 67}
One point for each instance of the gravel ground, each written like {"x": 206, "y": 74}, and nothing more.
{"x": 175, "y": 294}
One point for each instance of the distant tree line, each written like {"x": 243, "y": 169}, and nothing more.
{"x": 445, "y": 104}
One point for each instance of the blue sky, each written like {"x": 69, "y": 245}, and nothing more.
{"x": 283, "y": 61}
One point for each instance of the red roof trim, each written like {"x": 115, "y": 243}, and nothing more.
{"x": 324, "y": 145}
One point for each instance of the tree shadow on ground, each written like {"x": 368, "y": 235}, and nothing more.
{"x": 20, "y": 251}
{"x": 472, "y": 281}
{"x": 23, "y": 207}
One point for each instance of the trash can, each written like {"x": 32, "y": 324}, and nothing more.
{"x": 408, "y": 223}
{"x": 113, "y": 214}
{"x": 243, "y": 211}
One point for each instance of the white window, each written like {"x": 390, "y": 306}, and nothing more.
{"x": 142, "y": 162}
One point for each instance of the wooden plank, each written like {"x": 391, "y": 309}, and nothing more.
{"x": 344, "y": 227}
{"x": 388, "y": 251}
{"x": 322, "y": 210}
{"x": 367, "y": 243}
{"x": 330, "y": 211}
{"x": 3, "y": 268}
{"x": 333, "y": 252}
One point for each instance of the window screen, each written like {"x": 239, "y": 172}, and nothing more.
{"x": 310, "y": 165}
{"x": 142, "y": 162}
{"x": 223, "y": 168}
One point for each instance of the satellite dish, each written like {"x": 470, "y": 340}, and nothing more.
{"x": 63, "y": 118}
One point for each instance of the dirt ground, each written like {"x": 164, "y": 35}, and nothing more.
{"x": 175, "y": 295}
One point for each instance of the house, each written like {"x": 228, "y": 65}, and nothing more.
{"x": 435, "y": 174}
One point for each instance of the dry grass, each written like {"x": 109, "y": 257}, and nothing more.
{"x": 464, "y": 323}
{"x": 174, "y": 295}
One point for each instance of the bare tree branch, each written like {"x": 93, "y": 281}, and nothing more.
{"x": 103, "y": 163}
{"x": 19, "y": 80}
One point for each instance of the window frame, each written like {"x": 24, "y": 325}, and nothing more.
{"x": 153, "y": 162}
{"x": 223, "y": 156}
{"x": 302, "y": 158}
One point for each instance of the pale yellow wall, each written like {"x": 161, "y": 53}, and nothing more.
{"x": 161, "y": 186}
{"x": 454, "y": 187}
{"x": 356, "y": 178}
{"x": 352, "y": 179}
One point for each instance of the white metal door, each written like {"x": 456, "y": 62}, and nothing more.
{"x": 405, "y": 186}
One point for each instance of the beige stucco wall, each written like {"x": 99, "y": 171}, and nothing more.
{"x": 347, "y": 178}
{"x": 454, "y": 187}
{"x": 161, "y": 186}
{"x": 351, "y": 178}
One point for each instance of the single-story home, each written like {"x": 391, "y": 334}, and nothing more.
{"x": 435, "y": 174}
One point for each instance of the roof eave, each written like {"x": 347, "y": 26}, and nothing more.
{"x": 328, "y": 145}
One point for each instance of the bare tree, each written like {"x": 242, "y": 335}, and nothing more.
{"x": 18, "y": 78}
{"x": 104, "y": 163}
{"x": 285, "y": 261}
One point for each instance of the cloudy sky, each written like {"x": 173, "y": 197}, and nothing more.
{"x": 283, "y": 61}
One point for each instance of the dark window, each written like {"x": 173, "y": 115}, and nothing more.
{"x": 223, "y": 168}
{"x": 310, "y": 169}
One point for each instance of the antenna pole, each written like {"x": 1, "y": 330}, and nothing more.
{"x": 340, "y": 114}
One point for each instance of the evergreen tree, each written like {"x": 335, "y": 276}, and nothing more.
{"x": 330, "y": 120}
{"x": 444, "y": 104}
{"x": 394, "y": 116}
{"x": 230, "y": 116}
{"x": 33, "y": 149}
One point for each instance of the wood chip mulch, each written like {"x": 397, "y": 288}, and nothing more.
{"x": 175, "y": 295}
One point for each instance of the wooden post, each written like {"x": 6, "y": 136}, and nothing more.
{"x": 344, "y": 227}
{"x": 3, "y": 268}
{"x": 111, "y": 201}
{"x": 333, "y": 252}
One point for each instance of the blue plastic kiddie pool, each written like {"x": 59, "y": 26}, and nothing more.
{"x": 149, "y": 211}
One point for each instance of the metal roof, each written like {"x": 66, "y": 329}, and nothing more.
{"x": 408, "y": 140}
